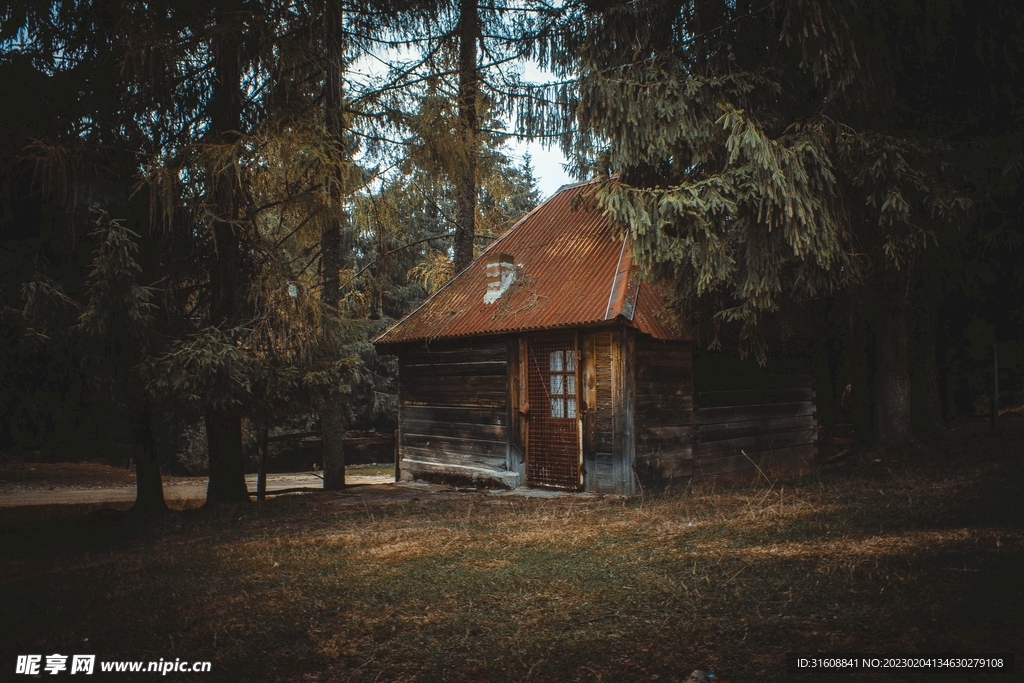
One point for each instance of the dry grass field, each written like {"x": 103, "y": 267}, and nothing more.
{"x": 916, "y": 552}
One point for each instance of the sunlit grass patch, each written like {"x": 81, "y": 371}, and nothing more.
{"x": 372, "y": 469}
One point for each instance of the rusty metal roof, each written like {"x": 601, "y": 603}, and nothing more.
{"x": 572, "y": 268}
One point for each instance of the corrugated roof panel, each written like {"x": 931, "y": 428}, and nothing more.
{"x": 567, "y": 254}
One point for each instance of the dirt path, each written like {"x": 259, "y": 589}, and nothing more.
{"x": 175, "y": 489}
{"x": 31, "y": 484}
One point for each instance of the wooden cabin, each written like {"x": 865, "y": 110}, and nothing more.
{"x": 549, "y": 362}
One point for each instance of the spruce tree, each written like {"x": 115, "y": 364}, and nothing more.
{"x": 753, "y": 152}
{"x": 469, "y": 54}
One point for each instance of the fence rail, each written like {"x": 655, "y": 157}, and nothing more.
{"x": 382, "y": 438}
{"x": 263, "y": 441}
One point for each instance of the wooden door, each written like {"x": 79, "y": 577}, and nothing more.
{"x": 553, "y": 453}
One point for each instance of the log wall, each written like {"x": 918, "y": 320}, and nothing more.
{"x": 664, "y": 410}
{"x": 598, "y": 433}
{"x": 750, "y": 418}
{"x": 454, "y": 412}
{"x": 623, "y": 402}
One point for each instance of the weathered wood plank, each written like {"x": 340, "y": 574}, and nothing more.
{"x": 668, "y": 452}
{"x": 680, "y": 470}
{"x": 661, "y": 386}
{"x": 664, "y": 409}
{"x": 731, "y": 430}
{"x": 668, "y": 411}
{"x": 650, "y": 345}
{"x": 451, "y": 458}
{"x": 667, "y": 373}
{"x": 675, "y": 394}
{"x": 762, "y": 411}
{"x": 660, "y": 424}
{"x": 753, "y": 444}
{"x": 658, "y": 432}
{"x": 756, "y": 381}
{"x": 588, "y": 378}
{"x": 601, "y": 413}
{"x": 450, "y": 444}
{"x": 524, "y": 388}
{"x": 442, "y": 401}
{"x": 653, "y": 472}
{"x": 675, "y": 363}
{"x": 458, "y": 430}
{"x": 481, "y": 398}
{"x": 672, "y": 452}
{"x": 744, "y": 397}
{"x": 656, "y": 469}
{"x": 464, "y": 384}
{"x": 454, "y": 384}
{"x": 623, "y": 400}
{"x": 479, "y": 350}
{"x": 658, "y": 416}
{"x": 454, "y": 414}
{"x": 662, "y": 402}
{"x": 453, "y": 398}
{"x": 673, "y": 358}
{"x": 487, "y": 369}
{"x": 666, "y": 446}
{"x": 516, "y": 459}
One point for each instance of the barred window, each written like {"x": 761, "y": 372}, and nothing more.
{"x": 562, "y": 365}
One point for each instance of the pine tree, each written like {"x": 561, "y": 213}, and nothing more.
{"x": 757, "y": 157}
{"x": 82, "y": 152}
{"x": 469, "y": 54}
{"x": 331, "y": 416}
{"x": 118, "y": 315}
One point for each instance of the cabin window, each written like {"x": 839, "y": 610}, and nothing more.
{"x": 562, "y": 365}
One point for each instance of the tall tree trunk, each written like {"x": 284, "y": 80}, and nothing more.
{"x": 892, "y": 415}
{"x": 995, "y": 386}
{"x": 227, "y": 281}
{"x": 925, "y": 397}
{"x": 824, "y": 388}
{"x": 149, "y": 489}
{"x": 227, "y": 476}
{"x": 860, "y": 372}
{"x": 469, "y": 85}
{"x": 332, "y": 424}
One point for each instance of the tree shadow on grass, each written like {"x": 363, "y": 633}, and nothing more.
{"x": 97, "y": 529}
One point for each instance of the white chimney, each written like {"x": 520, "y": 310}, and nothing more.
{"x": 501, "y": 273}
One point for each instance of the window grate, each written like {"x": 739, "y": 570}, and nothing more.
{"x": 553, "y": 449}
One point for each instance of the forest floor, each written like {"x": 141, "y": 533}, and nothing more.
{"x": 916, "y": 552}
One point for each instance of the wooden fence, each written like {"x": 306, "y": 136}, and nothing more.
{"x": 263, "y": 441}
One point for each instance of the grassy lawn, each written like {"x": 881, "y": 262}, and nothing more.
{"x": 918, "y": 553}
{"x": 372, "y": 470}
